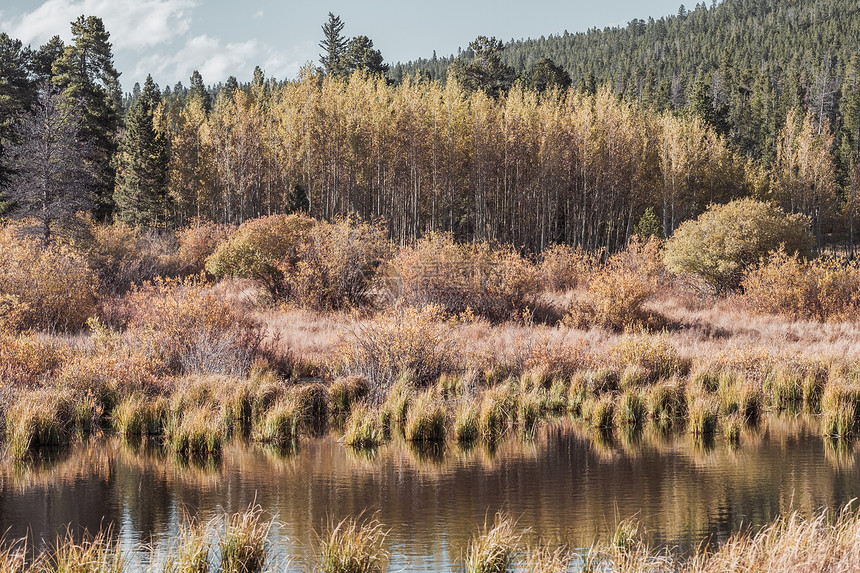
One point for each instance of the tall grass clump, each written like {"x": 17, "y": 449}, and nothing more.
{"x": 631, "y": 409}
{"x": 346, "y": 391}
{"x": 599, "y": 412}
{"x": 544, "y": 559}
{"x": 496, "y": 412}
{"x": 426, "y": 420}
{"x": 466, "y": 423}
{"x": 363, "y": 428}
{"x": 666, "y": 403}
{"x": 134, "y": 415}
{"x": 397, "y": 404}
{"x": 784, "y": 386}
{"x": 840, "y": 408}
{"x": 530, "y": 408}
{"x": 188, "y": 551}
{"x": 243, "y": 545}
{"x": 283, "y": 422}
{"x": 702, "y": 415}
{"x": 94, "y": 554}
{"x": 195, "y": 432}
{"x": 353, "y": 546}
{"x": 38, "y": 418}
{"x": 492, "y": 551}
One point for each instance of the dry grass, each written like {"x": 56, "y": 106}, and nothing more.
{"x": 353, "y": 545}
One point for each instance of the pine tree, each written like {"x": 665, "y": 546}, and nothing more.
{"x": 198, "y": 90}
{"x": 360, "y": 55}
{"x": 85, "y": 73}
{"x": 334, "y": 45}
{"x": 141, "y": 186}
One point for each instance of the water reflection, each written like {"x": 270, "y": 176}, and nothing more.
{"x": 565, "y": 485}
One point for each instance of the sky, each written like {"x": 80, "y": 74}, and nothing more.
{"x": 171, "y": 38}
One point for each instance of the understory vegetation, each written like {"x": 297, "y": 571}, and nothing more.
{"x": 297, "y": 326}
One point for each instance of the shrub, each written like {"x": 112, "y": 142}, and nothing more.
{"x": 121, "y": 256}
{"x": 197, "y": 241}
{"x": 404, "y": 340}
{"x": 493, "y": 282}
{"x": 316, "y": 264}
{"x": 564, "y": 268}
{"x": 182, "y": 326}
{"x": 260, "y": 248}
{"x": 617, "y": 292}
{"x": 728, "y": 239}
{"x": 46, "y": 288}
{"x": 821, "y": 289}
{"x": 652, "y": 354}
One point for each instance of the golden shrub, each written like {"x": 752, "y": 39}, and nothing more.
{"x": 563, "y": 267}
{"x": 197, "y": 241}
{"x": 494, "y": 282}
{"x": 821, "y": 289}
{"x": 46, "y": 288}
{"x": 181, "y": 325}
{"x": 407, "y": 340}
{"x": 617, "y": 292}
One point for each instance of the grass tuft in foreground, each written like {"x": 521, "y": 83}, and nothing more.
{"x": 353, "y": 546}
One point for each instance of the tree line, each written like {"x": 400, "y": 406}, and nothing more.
{"x": 530, "y": 159}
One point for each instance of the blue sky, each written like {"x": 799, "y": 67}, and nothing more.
{"x": 171, "y": 38}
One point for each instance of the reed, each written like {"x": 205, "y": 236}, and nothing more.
{"x": 784, "y": 386}
{"x": 530, "y": 408}
{"x": 631, "y": 409}
{"x": 466, "y": 423}
{"x": 38, "y": 418}
{"x": 353, "y": 545}
{"x": 189, "y": 549}
{"x": 363, "y": 427}
{"x": 397, "y": 404}
{"x": 426, "y": 419}
{"x": 492, "y": 551}
{"x": 197, "y": 432}
{"x": 599, "y": 412}
{"x": 132, "y": 416}
{"x": 496, "y": 412}
{"x": 346, "y": 391}
{"x": 666, "y": 403}
{"x": 94, "y": 554}
{"x": 545, "y": 559}
{"x": 283, "y": 422}
{"x": 732, "y": 426}
{"x": 703, "y": 413}
{"x": 243, "y": 545}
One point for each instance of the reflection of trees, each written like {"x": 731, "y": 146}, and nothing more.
{"x": 563, "y": 485}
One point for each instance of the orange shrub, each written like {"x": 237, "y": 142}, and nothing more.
{"x": 46, "y": 288}
{"x": 197, "y": 242}
{"x": 563, "y": 267}
{"x": 295, "y": 258}
{"x": 122, "y": 256}
{"x": 182, "y": 326}
{"x": 617, "y": 292}
{"x": 821, "y": 289}
{"x": 25, "y": 360}
{"x": 493, "y": 282}
{"x": 417, "y": 342}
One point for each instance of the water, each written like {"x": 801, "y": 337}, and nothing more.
{"x": 564, "y": 486}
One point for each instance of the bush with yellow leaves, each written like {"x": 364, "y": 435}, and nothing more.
{"x": 563, "y": 268}
{"x": 181, "y": 325}
{"x": 43, "y": 287}
{"x": 295, "y": 258}
{"x": 408, "y": 341}
{"x": 821, "y": 289}
{"x": 617, "y": 292}
{"x": 493, "y": 282}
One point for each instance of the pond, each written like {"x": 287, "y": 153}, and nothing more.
{"x": 565, "y": 486}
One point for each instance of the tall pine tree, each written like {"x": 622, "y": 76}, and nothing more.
{"x": 334, "y": 45}
{"x": 85, "y": 74}
{"x": 141, "y": 184}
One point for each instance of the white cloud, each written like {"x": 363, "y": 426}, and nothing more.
{"x": 133, "y": 24}
{"x": 216, "y": 61}
{"x": 259, "y": 14}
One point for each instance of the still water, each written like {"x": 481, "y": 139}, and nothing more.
{"x": 565, "y": 486}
